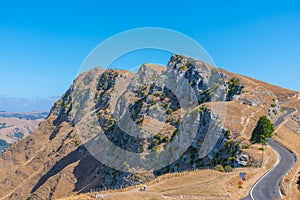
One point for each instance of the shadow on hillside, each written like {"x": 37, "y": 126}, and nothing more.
{"x": 85, "y": 172}
{"x": 58, "y": 167}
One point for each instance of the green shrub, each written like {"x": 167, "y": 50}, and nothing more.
{"x": 228, "y": 168}
{"x": 217, "y": 85}
{"x": 230, "y": 141}
{"x": 153, "y": 102}
{"x": 177, "y": 121}
{"x": 231, "y": 159}
{"x": 158, "y": 136}
{"x": 166, "y": 139}
{"x": 234, "y": 81}
{"x": 220, "y": 168}
{"x": 157, "y": 94}
{"x": 126, "y": 165}
{"x": 245, "y": 146}
{"x": 183, "y": 68}
{"x": 138, "y": 121}
{"x": 248, "y": 165}
{"x": 77, "y": 143}
{"x": 169, "y": 110}
{"x": 227, "y": 134}
{"x": 168, "y": 119}
{"x": 163, "y": 96}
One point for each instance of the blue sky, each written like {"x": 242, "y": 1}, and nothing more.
{"x": 43, "y": 43}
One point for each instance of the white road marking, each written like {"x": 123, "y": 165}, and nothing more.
{"x": 279, "y": 158}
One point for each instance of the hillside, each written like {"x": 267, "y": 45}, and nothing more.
{"x": 208, "y": 111}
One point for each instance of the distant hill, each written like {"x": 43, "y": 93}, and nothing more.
{"x": 15, "y": 126}
{"x": 25, "y": 115}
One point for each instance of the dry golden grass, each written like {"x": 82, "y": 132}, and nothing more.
{"x": 282, "y": 93}
{"x": 289, "y": 138}
{"x": 200, "y": 184}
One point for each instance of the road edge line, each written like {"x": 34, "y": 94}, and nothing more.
{"x": 279, "y": 158}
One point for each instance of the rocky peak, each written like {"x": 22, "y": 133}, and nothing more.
{"x": 150, "y": 101}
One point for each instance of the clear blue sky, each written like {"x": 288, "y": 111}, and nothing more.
{"x": 43, "y": 43}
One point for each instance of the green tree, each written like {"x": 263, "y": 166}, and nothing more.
{"x": 263, "y": 131}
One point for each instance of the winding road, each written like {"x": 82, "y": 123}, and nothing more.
{"x": 267, "y": 187}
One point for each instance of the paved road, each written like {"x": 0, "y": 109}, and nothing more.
{"x": 282, "y": 118}
{"x": 267, "y": 187}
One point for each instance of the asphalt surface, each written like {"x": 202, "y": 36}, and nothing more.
{"x": 267, "y": 187}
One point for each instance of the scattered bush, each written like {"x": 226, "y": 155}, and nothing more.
{"x": 157, "y": 94}
{"x": 227, "y": 134}
{"x": 166, "y": 139}
{"x": 169, "y": 110}
{"x": 228, "y": 168}
{"x": 153, "y": 102}
{"x": 158, "y": 136}
{"x": 168, "y": 119}
{"x": 163, "y": 96}
{"x": 126, "y": 165}
{"x": 234, "y": 81}
{"x": 231, "y": 159}
{"x": 138, "y": 121}
{"x": 77, "y": 143}
{"x": 261, "y": 149}
{"x": 233, "y": 85}
{"x": 245, "y": 146}
{"x": 217, "y": 85}
{"x": 183, "y": 68}
{"x": 220, "y": 168}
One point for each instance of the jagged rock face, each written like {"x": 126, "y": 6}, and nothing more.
{"x": 94, "y": 99}
{"x": 129, "y": 117}
{"x": 275, "y": 109}
{"x": 209, "y": 83}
